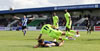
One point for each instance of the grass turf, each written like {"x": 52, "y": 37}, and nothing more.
{"x": 15, "y": 41}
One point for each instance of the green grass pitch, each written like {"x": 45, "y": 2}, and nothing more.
{"x": 15, "y": 41}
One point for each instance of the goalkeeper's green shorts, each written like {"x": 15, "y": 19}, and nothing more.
{"x": 56, "y": 34}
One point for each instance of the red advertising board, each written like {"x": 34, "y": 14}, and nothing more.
{"x": 97, "y": 28}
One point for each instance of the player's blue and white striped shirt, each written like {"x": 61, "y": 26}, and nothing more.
{"x": 24, "y": 21}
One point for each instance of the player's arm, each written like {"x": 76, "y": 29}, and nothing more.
{"x": 39, "y": 37}
{"x": 31, "y": 18}
{"x": 36, "y": 46}
{"x": 16, "y": 17}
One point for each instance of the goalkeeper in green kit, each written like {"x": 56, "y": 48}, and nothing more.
{"x": 52, "y": 32}
{"x": 69, "y": 23}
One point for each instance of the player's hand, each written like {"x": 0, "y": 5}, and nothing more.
{"x": 35, "y": 47}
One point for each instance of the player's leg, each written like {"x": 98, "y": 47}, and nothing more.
{"x": 60, "y": 38}
{"x": 56, "y": 25}
{"x": 69, "y": 27}
{"x": 55, "y": 36}
{"x": 90, "y": 30}
{"x": 24, "y": 29}
{"x": 87, "y": 29}
{"x": 60, "y": 33}
{"x": 72, "y": 31}
{"x": 68, "y": 34}
{"x": 39, "y": 37}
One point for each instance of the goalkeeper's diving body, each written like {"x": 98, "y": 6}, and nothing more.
{"x": 53, "y": 32}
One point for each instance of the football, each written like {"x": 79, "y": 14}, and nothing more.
{"x": 11, "y": 9}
